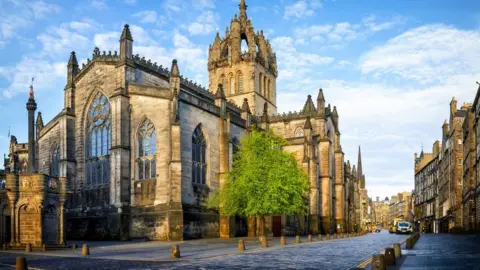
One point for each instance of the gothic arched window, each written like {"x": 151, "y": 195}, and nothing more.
{"x": 232, "y": 84}
{"x": 199, "y": 163}
{"x": 98, "y": 142}
{"x": 234, "y": 145}
{"x": 147, "y": 150}
{"x": 55, "y": 162}
{"x": 240, "y": 82}
{"x": 299, "y": 132}
{"x": 223, "y": 81}
{"x": 260, "y": 79}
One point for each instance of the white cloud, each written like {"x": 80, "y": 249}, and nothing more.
{"x": 301, "y": 8}
{"x": 288, "y": 56}
{"x": 107, "y": 41}
{"x": 204, "y": 24}
{"x": 98, "y": 4}
{"x": 341, "y": 33}
{"x": 427, "y": 54}
{"x": 203, "y": 4}
{"x": 61, "y": 40}
{"x": 81, "y": 26}
{"x": 40, "y": 8}
{"x": 147, "y": 16}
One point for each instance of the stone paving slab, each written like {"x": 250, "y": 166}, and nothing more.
{"x": 441, "y": 251}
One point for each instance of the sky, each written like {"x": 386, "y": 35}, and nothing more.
{"x": 390, "y": 67}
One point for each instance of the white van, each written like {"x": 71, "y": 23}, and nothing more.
{"x": 404, "y": 227}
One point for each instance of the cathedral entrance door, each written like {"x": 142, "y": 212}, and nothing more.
{"x": 277, "y": 226}
{"x": 8, "y": 229}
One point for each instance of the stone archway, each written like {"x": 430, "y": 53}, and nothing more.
{"x": 6, "y": 225}
{"x": 29, "y": 224}
{"x": 50, "y": 225}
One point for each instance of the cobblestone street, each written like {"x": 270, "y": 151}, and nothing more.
{"x": 216, "y": 254}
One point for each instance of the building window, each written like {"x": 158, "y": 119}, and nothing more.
{"x": 232, "y": 85}
{"x": 260, "y": 80}
{"x": 199, "y": 164}
{"x": 240, "y": 82}
{"x": 147, "y": 150}
{"x": 299, "y": 132}
{"x": 234, "y": 144}
{"x": 98, "y": 142}
{"x": 55, "y": 162}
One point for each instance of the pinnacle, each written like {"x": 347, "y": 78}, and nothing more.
{"x": 320, "y": 95}
{"x": 73, "y": 59}
{"x": 220, "y": 94}
{"x": 308, "y": 124}
{"x": 245, "y": 106}
{"x": 309, "y": 106}
{"x": 126, "y": 33}
{"x": 174, "y": 71}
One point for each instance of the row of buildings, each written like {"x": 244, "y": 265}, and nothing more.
{"x": 398, "y": 207}
{"x": 137, "y": 147}
{"x": 447, "y": 180}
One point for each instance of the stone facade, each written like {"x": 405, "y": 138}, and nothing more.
{"x": 468, "y": 191}
{"x": 380, "y": 212}
{"x": 475, "y": 131}
{"x": 140, "y": 146}
{"x": 426, "y": 179}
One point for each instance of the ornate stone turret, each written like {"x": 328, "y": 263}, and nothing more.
{"x": 309, "y": 107}
{"x": 126, "y": 41}
{"x": 246, "y": 114}
{"x": 244, "y": 74}
{"x": 175, "y": 76}
{"x": 220, "y": 100}
{"x": 31, "y": 107}
{"x": 39, "y": 124}
{"x": 320, "y": 103}
{"x": 72, "y": 71}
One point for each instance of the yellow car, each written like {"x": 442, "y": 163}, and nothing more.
{"x": 393, "y": 229}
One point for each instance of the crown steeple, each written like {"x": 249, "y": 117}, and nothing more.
{"x": 243, "y": 9}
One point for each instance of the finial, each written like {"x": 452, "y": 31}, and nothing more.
{"x": 126, "y": 33}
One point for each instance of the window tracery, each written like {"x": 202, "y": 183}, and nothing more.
{"x": 147, "y": 151}
{"x": 98, "y": 142}
{"x": 55, "y": 162}
{"x": 199, "y": 164}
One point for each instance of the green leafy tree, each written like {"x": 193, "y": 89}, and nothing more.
{"x": 264, "y": 180}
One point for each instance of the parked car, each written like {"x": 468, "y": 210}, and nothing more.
{"x": 379, "y": 228}
{"x": 393, "y": 229}
{"x": 404, "y": 227}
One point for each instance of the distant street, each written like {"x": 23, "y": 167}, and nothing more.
{"x": 215, "y": 254}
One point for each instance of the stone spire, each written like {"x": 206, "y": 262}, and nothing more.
{"x": 359, "y": 166}
{"x": 309, "y": 107}
{"x": 31, "y": 107}
{"x": 335, "y": 115}
{"x": 174, "y": 71}
{"x": 39, "y": 124}
{"x": 220, "y": 94}
{"x": 126, "y": 41}
{"x": 320, "y": 102}
{"x": 243, "y": 10}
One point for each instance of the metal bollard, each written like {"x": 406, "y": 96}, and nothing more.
{"x": 283, "y": 241}
{"x": 297, "y": 239}
{"x": 21, "y": 263}
{"x": 319, "y": 237}
{"x": 264, "y": 241}
{"x": 310, "y": 239}
{"x": 398, "y": 250}
{"x": 85, "y": 250}
{"x": 28, "y": 247}
{"x": 389, "y": 256}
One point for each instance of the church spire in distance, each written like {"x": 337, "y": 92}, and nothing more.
{"x": 359, "y": 166}
{"x": 243, "y": 9}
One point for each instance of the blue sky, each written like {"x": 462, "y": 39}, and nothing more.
{"x": 391, "y": 67}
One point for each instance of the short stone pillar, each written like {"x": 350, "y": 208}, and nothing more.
{"x": 28, "y": 247}
{"x": 310, "y": 238}
{"x": 398, "y": 250}
{"x": 5, "y": 246}
{"x": 44, "y": 247}
{"x": 74, "y": 246}
{"x": 409, "y": 243}
{"x": 175, "y": 252}
{"x": 85, "y": 250}
{"x": 297, "y": 239}
{"x": 378, "y": 262}
{"x": 241, "y": 245}
{"x": 283, "y": 241}
{"x": 327, "y": 237}
{"x": 319, "y": 237}
{"x": 21, "y": 263}
{"x": 264, "y": 241}
{"x": 334, "y": 236}
{"x": 389, "y": 256}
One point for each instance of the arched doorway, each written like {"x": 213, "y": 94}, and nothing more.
{"x": 6, "y": 225}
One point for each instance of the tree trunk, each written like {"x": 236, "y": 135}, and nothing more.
{"x": 261, "y": 226}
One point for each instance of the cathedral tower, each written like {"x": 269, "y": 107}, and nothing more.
{"x": 245, "y": 64}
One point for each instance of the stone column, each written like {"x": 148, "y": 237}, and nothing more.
{"x": 325, "y": 185}
{"x": 31, "y": 107}
{"x": 12, "y": 223}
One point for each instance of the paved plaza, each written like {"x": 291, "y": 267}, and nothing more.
{"x": 213, "y": 254}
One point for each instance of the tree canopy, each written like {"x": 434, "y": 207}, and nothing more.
{"x": 264, "y": 180}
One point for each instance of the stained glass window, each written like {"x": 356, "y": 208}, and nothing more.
{"x": 98, "y": 142}
{"x": 55, "y": 163}
{"x": 199, "y": 164}
{"x": 147, "y": 150}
